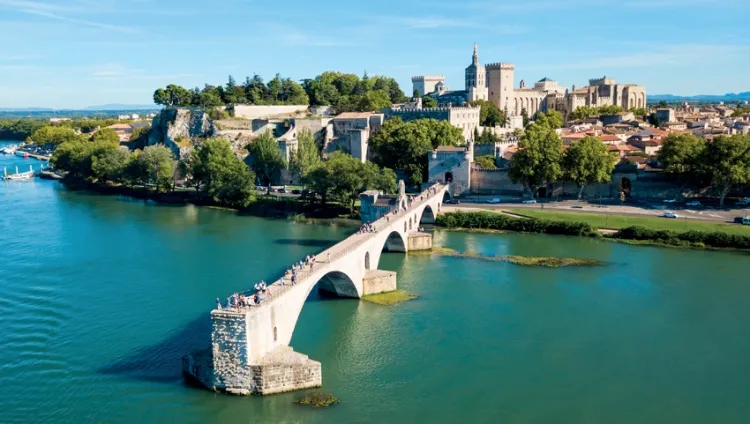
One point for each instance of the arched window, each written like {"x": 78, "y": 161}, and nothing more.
{"x": 367, "y": 260}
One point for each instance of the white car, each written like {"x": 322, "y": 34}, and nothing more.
{"x": 693, "y": 203}
{"x": 670, "y": 215}
{"x": 670, "y": 201}
{"x": 529, "y": 201}
{"x": 496, "y": 200}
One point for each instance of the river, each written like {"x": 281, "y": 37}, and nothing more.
{"x": 101, "y": 296}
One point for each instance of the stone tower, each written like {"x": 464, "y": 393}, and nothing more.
{"x": 500, "y": 84}
{"x": 476, "y": 79}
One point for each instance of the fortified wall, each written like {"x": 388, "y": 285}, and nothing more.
{"x": 258, "y": 112}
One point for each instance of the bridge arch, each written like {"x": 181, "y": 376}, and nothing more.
{"x": 395, "y": 242}
{"x": 428, "y": 215}
{"x": 337, "y": 283}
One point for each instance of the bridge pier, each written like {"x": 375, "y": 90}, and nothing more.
{"x": 378, "y": 281}
{"x": 419, "y": 242}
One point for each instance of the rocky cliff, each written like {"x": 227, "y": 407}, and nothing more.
{"x": 176, "y": 127}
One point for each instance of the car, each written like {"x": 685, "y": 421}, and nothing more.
{"x": 296, "y": 191}
{"x": 529, "y": 201}
{"x": 496, "y": 200}
{"x": 670, "y": 201}
{"x": 283, "y": 190}
{"x": 669, "y": 214}
{"x": 693, "y": 203}
{"x": 452, "y": 202}
{"x": 739, "y": 219}
{"x": 745, "y": 201}
{"x": 577, "y": 207}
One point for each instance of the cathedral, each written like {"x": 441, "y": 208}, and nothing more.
{"x": 496, "y": 82}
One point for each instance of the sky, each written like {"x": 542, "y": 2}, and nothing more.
{"x": 77, "y": 53}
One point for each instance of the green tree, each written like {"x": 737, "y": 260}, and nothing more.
{"x": 415, "y": 94}
{"x": 538, "y": 161}
{"x": 106, "y": 135}
{"x": 214, "y": 167}
{"x": 639, "y": 112}
{"x": 489, "y": 114}
{"x": 587, "y": 162}
{"x": 554, "y": 118}
{"x": 486, "y": 137}
{"x": 680, "y": 156}
{"x": 109, "y": 164}
{"x": 157, "y": 165}
{"x": 404, "y": 145}
{"x": 583, "y": 112}
{"x": 343, "y": 178}
{"x": 486, "y": 161}
{"x": 726, "y": 162}
{"x": 429, "y": 103}
{"x": 55, "y": 135}
{"x": 374, "y": 101}
{"x": 662, "y": 104}
{"x": 266, "y": 157}
{"x": 609, "y": 110}
{"x": 307, "y": 156}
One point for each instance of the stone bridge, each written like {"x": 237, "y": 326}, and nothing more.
{"x": 250, "y": 351}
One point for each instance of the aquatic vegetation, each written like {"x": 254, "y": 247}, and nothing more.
{"x": 318, "y": 400}
{"x": 550, "y": 262}
{"x": 390, "y": 298}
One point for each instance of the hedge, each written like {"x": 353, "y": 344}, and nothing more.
{"x": 695, "y": 238}
{"x": 495, "y": 221}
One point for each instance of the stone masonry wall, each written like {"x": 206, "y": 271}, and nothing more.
{"x": 229, "y": 349}
{"x": 379, "y": 281}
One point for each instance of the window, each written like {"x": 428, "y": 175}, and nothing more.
{"x": 275, "y": 334}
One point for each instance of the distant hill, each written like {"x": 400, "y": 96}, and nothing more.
{"x": 25, "y": 109}
{"x": 729, "y": 97}
{"x": 116, "y": 106}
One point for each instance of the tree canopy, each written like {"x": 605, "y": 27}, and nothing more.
{"x": 342, "y": 178}
{"x": 680, "y": 156}
{"x": 726, "y": 163}
{"x": 538, "y": 161}
{"x": 55, "y": 135}
{"x": 349, "y": 93}
{"x": 486, "y": 161}
{"x": 587, "y": 162}
{"x": 429, "y": 103}
{"x": 213, "y": 167}
{"x": 489, "y": 114}
{"x": 404, "y": 145}
{"x": 307, "y": 156}
{"x": 266, "y": 158}
{"x": 583, "y": 112}
{"x": 278, "y": 91}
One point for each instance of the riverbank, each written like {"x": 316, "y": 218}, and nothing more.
{"x": 633, "y": 235}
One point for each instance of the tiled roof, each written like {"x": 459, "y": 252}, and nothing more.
{"x": 353, "y": 115}
{"x": 451, "y": 149}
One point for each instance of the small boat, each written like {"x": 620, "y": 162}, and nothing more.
{"x": 18, "y": 176}
{"x": 9, "y": 150}
{"x": 25, "y": 155}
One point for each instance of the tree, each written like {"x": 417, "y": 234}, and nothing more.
{"x": 486, "y": 137}
{"x": 55, "y": 135}
{"x": 106, "y": 135}
{"x": 429, "y": 103}
{"x": 157, "y": 165}
{"x": 486, "y": 161}
{"x": 609, "y": 110}
{"x": 587, "y": 162}
{"x": 343, "y": 178}
{"x": 415, "y": 94}
{"x": 404, "y": 145}
{"x": 537, "y": 163}
{"x": 525, "y": 116}
{"x": 109, "y": 164}
{"x": 554, "y": 118}
{"x": 680, "y": 157}
{"x": 726, "y": 162}
{"x": 307, "y": 156}
{"x": 489, "y": 114}
{"x": 374, "y": 101}
{"x": 583, "y": 112}
{"x": 640, "y": 112}
{"x": 266, "y": 157}
{"x": 214, "y": 167}
{"x": 662, "y": 104}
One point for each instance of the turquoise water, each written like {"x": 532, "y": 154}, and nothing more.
{"x": 101, "y": 296}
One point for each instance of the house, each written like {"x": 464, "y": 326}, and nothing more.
{"x": 680, "y": 126}
{"x": 645, "y": 143}
{"x": 621, "y": 150}
{"x": 124, "y": 131}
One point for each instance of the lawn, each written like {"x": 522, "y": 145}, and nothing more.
{"x": 622, "y": 221}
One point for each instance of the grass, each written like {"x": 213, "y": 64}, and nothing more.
{"x": 390, "y": 298}
{"x": 623, "y": 221}
{"x": 549, "y": 262}
{"x": 318, "y": 400}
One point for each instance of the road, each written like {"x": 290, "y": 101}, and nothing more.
{"x": 654, "y": 209}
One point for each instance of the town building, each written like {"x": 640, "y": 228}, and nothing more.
{"x": 496, "y": 82}
{"x": 352, "y": 131}
{"x": 466, "y": 118}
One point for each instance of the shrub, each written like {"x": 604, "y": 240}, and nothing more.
{"x": 688, "y": 238}
{"x": 494, "y": 221}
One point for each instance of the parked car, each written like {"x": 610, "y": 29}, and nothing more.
{"x": 283, "y": 190}
{"x": 529, "y": 201}
{"x": 669, "y": 214}
{"x": 746, "y": 220}
{"x": 694, "y": 203}
{"x": 577, "y": 207}
{"x": 670, "y": 201}
{"x": 496, "y": 200}
{"x": 739, "y": 219}
{"x": 296, "y": 191}
{"x": 745, "y": 201}
{"x": 452, "y": 202}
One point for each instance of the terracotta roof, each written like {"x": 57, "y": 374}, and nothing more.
{"x": 609, "y": 137}
{"x": 509, "y": 152}
{"x": 120, "y": 127}
{"x": 621, "y": 148}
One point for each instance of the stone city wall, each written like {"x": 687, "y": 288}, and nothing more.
{"x": 379, "y": 281}
{"x": 255, "y": 112}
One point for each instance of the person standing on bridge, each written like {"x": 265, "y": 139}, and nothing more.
{"x": 329, "y": 257}
{"x": 218, "y": 304}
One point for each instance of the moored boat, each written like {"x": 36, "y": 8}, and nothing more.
{"x": 18, "y": 176}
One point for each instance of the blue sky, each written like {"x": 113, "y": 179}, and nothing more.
{"x": 75, "y": 53}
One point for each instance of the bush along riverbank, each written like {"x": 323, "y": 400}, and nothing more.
{"x": 638, "y": 235}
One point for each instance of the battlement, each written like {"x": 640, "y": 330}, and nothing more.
{"x": 435, "y": 109}
{"x": 418, "y": 78}
{"x": 500, "y": 65}
{"x": 601, "y": 81}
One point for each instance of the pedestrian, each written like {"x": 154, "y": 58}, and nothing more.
{"x": 218, "y": 304}
{"x": 329, "y": 257}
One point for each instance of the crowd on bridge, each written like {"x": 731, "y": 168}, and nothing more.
{"x": 367, "y": 227}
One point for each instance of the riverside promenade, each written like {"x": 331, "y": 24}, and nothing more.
{"x": 250, "y": 352}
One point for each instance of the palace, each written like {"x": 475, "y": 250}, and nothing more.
{"x": 496, "y": 83}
